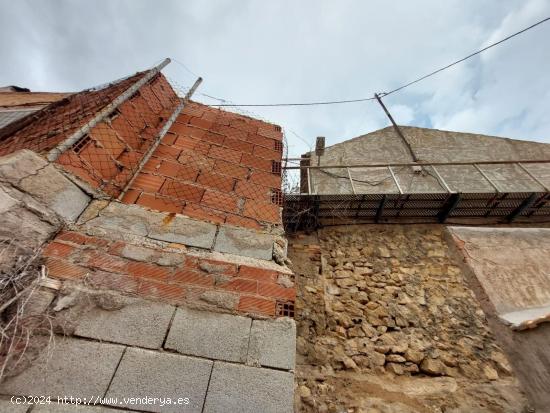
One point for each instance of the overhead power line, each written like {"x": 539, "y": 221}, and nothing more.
{"x": 335, "y": 102}
{"x": 465, "y": 58}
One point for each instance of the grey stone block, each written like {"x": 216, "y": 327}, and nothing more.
{"x": 31, "y": 173}
{"x": 237, "y": 388}
{"x": 20, "y": 164}
{"x": 133, "y": 225}
{"x": 57, "y": 192}
{"x": 144, "y": 373}
{"x": 137, "y": 253}
{"x": 71, "y": 408}
{"x": 185, "y": 231}
{"x": 6, "y": 406}
{"x": 209, "y": 334}
{"x": 245, "y": 242}
{"x": 75, "y": 368}
{"x": 139, "y": 323}
{"x": 273, "y": 343}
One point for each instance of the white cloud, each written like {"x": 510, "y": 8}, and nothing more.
{"x": 257, "y": 51}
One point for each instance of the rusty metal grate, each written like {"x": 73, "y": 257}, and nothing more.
{"x": 276, "y": 167}
{"x": 285, "y": 309}
{"x": 277, "y": 197}
{"x": 81, "y": 144}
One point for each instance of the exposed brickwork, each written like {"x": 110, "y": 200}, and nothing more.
{"x": 216, "y": 166}
{"x": 211, "y": 165}
{"x": 109, "y": 156}
{"x": 103, "y": 263}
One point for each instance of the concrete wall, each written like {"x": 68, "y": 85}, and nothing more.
{"x": 123, "y": 352}
{"x": 387, "y": 323}
{"x": 508, "y": 269}
{"x": 430, "y": 145}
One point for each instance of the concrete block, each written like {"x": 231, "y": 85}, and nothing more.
{"x": 72, "y": 367}
{"x": 185, "y": 231}
{"x": 139, "y": 323}
{"x": 207, "y": 334}
{"x": 6, "y": 406}
{"x": 38, "y": 301}
{"x": 137, "y": 253}
{"x": 144, "y": 373}
{"x": 237, "y": 388}
{"x": 121, "y": 224}
{"x": 20, "y": 164}
{"x": 71, "y": 408}
{"x": 57, "y": 192}
{"x": 273, "y": 343}
{"x": 32, "y": 174}
{"x": 245, "y": 242}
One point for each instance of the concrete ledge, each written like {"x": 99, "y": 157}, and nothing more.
{"x": 207, "y": 334}
{"x": 242, "y": 389}
{"x": 245, "y": 242}
{"x": 160, "y": 226}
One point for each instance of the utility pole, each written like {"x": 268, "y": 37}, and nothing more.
{"x": 407, "y": 144}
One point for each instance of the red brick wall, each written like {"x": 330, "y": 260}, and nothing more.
{"x": 109, "y": 157}
{"x": 98, "y": 262}
{"x": 215, "y": 165}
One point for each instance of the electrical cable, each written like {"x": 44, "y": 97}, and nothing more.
{"x": 334, "y": 102}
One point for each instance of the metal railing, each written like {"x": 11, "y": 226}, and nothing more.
{"x": 432, "y": 165}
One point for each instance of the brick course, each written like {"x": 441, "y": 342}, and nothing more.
{"x": 102, "y": 263}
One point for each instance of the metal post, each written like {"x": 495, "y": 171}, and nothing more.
{"x": 407, "y": 144}
{"x": 533, "y": 177}
{"x": 161, "y": 135}
{"x": 309, "y": 182}
{"x": 395, "y": 180}
{"x": 351, "y": 181}
{"x": 527, "y": 202}
{"x": 441, "y": 180}
{"x": 487, "y": 178}
{"x": 449, "y": 207}
{"x": 106, "y": 111}
{"x": 380, "y": 209}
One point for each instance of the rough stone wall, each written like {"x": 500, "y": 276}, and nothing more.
{"x": 386, "y": 323}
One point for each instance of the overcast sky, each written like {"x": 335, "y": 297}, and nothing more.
{"x": 253, "y": 51}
